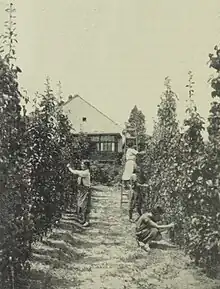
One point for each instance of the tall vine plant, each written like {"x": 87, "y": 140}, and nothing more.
{"x": 34, "y": 182}
{"x": 157, "y": 162}
{"x": 209, "y": 221}
{"x": 191, "y": 182}
{"x": 50, "y": 148}
{"x": 14, "y": 216}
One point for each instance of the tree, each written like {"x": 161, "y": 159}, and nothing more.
{"x": 34, "y": 181}
{"x": 161, "y": 153}
{"x": 193, "y": 151}
{"x": 14, "y": 217}
{"x": 214, "y": 123}
{"x": 194, "y": 122}
{"x": 167, "y": 115}
{"x": 137, "y": 120}
{"x": 206, "y": 249}
{"x": 46, "y": 139}
{"x": 166, "y": 135}
{"x": 189, "y": 183}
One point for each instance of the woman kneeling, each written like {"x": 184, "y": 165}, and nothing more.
{"x": 147, "y": 229}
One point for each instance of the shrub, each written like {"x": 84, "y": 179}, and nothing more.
{"x": 105, "y": 173}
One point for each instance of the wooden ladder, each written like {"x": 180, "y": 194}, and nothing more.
{"x": 125, "y": 195}
{"x": 130, "y": 133}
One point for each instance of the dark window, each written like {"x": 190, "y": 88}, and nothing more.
{"x": 108, "y": 143}
{"x": 107, "y": 146}
{"x": 105, "y": 143}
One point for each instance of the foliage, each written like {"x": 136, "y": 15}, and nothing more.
{"x": 156, "y": 162}
{"x": 83, "y": 147}
{"x": 182, "y": 175}
{"x": 46, "y": 137}
{"x": 14, "y": 245}
{"x": 191, "y": 166}
{"x": 137, "y": 120}
{"x": 36, "y": 186}
{"x": 213, "y": 166}
{"x": 105, "y": 173}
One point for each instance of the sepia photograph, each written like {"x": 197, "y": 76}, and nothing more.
{"x": 109, "y": 144}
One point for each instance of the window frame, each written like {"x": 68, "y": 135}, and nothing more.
{"x": 103, "y": 141}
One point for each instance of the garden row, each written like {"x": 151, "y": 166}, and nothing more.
{"x": 34, "y": 151}
{"x": 183, "y": 172}
{"x": 35, "y": 184}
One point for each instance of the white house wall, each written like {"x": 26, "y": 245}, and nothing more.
{"x": 96, "y": 122}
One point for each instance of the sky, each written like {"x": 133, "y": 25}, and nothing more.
{"x": 116, "y": 54}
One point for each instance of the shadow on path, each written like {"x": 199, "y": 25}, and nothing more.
{"x": 106, "y": 256}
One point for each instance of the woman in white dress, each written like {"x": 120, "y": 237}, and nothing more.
{"x": 130, "y": 164}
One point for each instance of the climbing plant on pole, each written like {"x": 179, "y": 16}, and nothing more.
{"x": 207, "y": 252}
{"x": 190, "y": 182}
{"x": 45, "y": 140}
{"x": 193, "y": 150}
{"x": 14, "y": 217}
{"x": 157, "y": 162}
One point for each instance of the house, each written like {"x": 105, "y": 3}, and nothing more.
{"x": 104, "y": 133}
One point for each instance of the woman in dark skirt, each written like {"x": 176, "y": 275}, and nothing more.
{"x": 83, "y": 191}
{"x": 84, "y": 204}
{"x": 136, "y": 197}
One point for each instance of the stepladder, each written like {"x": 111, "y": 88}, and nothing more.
{"x": 130, "y": 135}
{"x": 126, "y": 194}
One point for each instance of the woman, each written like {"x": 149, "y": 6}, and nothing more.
{"x": 136, "y": 197}
{"x": 130, "y": 165}
{"x": 84, "y": 191}
{"x": 147, "y": 229}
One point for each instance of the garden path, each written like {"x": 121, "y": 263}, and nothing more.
{"x": 106, "y": 256}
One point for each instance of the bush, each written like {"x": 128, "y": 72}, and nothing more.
{"x": 105, "y": 173}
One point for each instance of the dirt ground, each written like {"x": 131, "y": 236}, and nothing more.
{"x": 106, "y": 256}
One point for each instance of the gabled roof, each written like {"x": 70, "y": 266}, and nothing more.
{"x": 104, "y": 125}
{"x": 71, "y": 98}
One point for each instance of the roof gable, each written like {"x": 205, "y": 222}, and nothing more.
{"x": 78, "y": 109}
